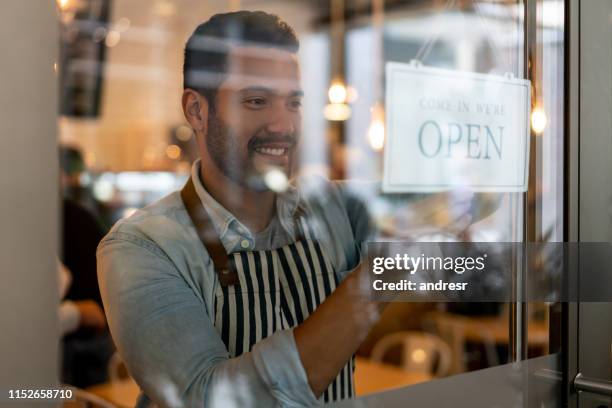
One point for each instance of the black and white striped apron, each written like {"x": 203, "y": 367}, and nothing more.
{"x": 261, "y": 292}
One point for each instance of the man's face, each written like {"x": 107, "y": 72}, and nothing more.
{"x": 254, "y": 126}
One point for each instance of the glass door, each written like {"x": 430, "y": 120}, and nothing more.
{"x": 448, "y": 121}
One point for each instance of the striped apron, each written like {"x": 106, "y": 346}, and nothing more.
{"x": 261, "y": 292}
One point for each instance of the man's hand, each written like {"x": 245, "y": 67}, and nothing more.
{"x": 327, "y": 339}
{"x": 92, "y": 315}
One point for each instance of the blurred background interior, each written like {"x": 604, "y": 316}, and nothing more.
{"x": 125, "y": 143}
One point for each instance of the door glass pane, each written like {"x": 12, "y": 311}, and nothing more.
{"x": 122, "y": 82}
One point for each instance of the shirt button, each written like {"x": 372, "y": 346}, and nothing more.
{"x": 245, "y": 243}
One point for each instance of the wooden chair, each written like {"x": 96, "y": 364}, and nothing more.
{"x": 452, "y": 329}
{"x": 421, "y": 352}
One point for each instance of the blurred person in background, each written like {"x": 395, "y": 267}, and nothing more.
{"x": 87, "y": 349}
{"x": 73, "y": 171}
{"x": 241, "y": 290}
{"x": 75, "y": 185}
{"x": 81, "y": 229}
{"x": 77, "y": 314}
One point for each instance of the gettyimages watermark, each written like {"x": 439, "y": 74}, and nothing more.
{"x": 489, "y": 272}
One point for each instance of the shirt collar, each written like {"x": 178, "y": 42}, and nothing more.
{"x": 226, "y": 223}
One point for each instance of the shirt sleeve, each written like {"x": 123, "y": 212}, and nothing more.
{"x": 69, "y": 317}
{"x": 171, "y": 348}
{"x": 359, "y": 217}
{"x": 361, "y": 224}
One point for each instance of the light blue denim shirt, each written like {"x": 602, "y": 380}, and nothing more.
{"x": 158, "y": 285}
{"x": 234, "y": 235}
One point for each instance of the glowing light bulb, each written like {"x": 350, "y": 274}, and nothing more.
{"x": 184, "y": 133}
{"x": 337, "y": 92}
{"x": 173, "y": 152}
{"x": 62, "y": 4}
{"x": 112, "y": 38}
{"x": 337, "y": 112}
{"x": 538, "y": 120}
{"x": 376, "y": 135}
{"x": 376, "y": 131}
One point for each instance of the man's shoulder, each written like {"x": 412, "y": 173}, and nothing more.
{"x": 156, "y": 243}
{"x": 154, "y": 226}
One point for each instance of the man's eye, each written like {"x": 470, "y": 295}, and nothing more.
{"x": 297, "y": 104}
{"x": 256, "y": 102}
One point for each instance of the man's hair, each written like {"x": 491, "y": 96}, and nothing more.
{"x": 71, "y": 160}
{"x": 207, "y": 50}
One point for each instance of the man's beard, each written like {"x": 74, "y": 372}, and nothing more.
{"x": 225, "y": 151}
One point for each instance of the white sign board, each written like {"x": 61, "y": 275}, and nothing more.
{"x": 449, "y": 129}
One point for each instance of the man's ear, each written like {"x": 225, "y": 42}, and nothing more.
{"x": 195, "y": 109}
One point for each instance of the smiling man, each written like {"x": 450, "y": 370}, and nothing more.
{"x": 240, "y": 288}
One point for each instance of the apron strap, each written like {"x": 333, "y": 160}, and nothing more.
{"x": 224, "y": 267}
{"x": 298, "y": 216}
{"x": 226, "y": 270}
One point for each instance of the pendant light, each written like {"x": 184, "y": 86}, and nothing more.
{"x": 337, "y": 108}
{"x": 376, "y": 130}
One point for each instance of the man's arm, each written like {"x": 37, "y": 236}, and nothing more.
{"x": 169, "y": 343}
{"x": 334, "y": 331}
{"x": 327, "y": 339}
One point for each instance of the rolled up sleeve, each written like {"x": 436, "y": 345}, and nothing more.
{"x": 278, "y": 363}
{"x": 171, "y": 347}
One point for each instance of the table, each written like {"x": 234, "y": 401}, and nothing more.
{"x": 123, "y": 393}
{"x": 370, "y": 377}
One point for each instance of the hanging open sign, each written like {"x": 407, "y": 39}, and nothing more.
{"x": 449, "y": 129}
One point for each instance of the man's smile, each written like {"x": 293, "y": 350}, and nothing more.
{"x": 274, "y": 152}
{"x": 274, "y": 149}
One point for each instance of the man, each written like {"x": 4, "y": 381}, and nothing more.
{"x": 234, "y": 290}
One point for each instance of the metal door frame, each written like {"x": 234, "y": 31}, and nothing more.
{"x": 581, "y": 62}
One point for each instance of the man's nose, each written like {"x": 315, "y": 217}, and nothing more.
{"x": 282, "y": 123}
